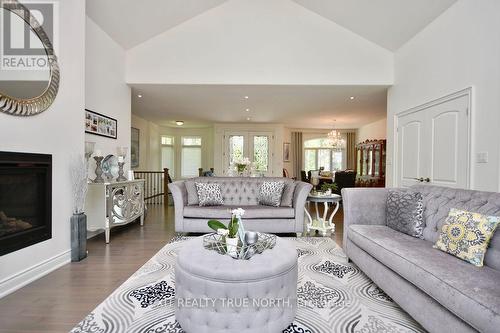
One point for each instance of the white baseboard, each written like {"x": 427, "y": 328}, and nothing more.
{"x": 19, "y": 280}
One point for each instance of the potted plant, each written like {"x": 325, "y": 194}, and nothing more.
{"x": 329, "y": 188}
{"x": 231, "y": 233}
{"x": 79, "y": 176}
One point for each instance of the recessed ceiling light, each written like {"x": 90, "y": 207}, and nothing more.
{"x": 351, "y": 98}
{"x": 246, "y": 97}
{"x": 247, "y": 110}
{"x": 179, "y": 122}
{"x": 140, "y": 96}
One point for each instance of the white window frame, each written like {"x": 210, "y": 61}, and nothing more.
{"x": 317, "y": 149}
{"x": 171, "y": 171}
{"x": 182, "y": 146}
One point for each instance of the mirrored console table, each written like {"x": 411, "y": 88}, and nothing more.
{"x": 112, "y": 204}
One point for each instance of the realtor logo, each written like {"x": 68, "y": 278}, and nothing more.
{"x": 21, "y": 48}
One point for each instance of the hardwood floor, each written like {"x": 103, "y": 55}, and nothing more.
{"x": 59, "y": 300}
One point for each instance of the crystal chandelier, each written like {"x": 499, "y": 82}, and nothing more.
{"x": 336, "y": 140}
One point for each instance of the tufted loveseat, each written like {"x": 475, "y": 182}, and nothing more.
{"x": 241, "y": 192}
{"x": 443, "y": 293}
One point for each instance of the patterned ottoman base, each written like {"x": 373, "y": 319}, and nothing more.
{"x": 215, "y": 293}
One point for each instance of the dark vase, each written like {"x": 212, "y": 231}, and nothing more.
{"x": 78, "y": 237}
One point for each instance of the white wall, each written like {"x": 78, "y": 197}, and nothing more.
{"x": 149, "y": 144}
{"x": 375, "y": 130}
{"x": 58, "y": 131}
{"x": 259, "y": 42}
{"x": 460, "y": 49}
{"x": 105, "y": 89}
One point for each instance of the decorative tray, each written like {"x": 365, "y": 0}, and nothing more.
{"x": 217, "y": 243}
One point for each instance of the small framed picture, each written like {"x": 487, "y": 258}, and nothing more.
{"x": 286, "y": 152}
{"x": 99, "y": 124}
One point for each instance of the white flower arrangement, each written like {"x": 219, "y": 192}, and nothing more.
{"x": 242, "y": 164}
{"x": 242, "y": 161}
{"x": 238, "y": 213}
{"x": 232, "y": 234}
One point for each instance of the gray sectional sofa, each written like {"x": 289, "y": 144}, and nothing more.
{"x": 443, "y": 293}
{"x": 241, "y": 192}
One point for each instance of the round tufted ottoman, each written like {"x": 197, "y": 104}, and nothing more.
{"x": 216, "y": 293}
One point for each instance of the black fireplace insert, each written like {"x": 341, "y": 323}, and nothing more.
{"x": 25, "y": 200}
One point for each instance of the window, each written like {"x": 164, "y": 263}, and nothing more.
{"x": 168, "y": 155}
{"x": 318, "y": 153}
{"x": 236, "y": 147}
{"x": 167, "y": 140}
{"x": 190, "y": 156}
{"x": 261, "y": 152}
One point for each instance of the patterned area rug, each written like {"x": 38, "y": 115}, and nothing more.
{"x": 339, "y": 297}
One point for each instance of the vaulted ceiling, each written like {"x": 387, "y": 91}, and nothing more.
{"x": 300, "y": 61}
{"x": 132, "y": 22}
{"x": 388, "y": 23}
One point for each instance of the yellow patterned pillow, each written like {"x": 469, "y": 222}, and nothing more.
{"x": 466, "y": 235}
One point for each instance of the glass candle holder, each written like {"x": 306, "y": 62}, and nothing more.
{"x": 122, "y": 151}
{"x": 315, "y": 182}
{"x": 89, "y": 149}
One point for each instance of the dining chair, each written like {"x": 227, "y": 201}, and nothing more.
{"x": 303, "y": 176}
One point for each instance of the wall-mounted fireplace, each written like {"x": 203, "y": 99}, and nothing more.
{"x": 25, "y": 200}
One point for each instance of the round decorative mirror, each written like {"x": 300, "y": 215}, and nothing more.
{"x": 29, "y": 72}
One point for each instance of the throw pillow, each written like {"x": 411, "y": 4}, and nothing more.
{"x": 270, "y": 193}
{"x": 466, "y": 235}
{"x": 405, "y": 212}
{"x": 287, "y": 196}
{"x": 209, "y": 194}
{"x": 192, "y": 193}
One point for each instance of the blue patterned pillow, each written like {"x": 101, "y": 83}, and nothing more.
{"x": 405, "y": 212}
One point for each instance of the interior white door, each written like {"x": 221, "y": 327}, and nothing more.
{"x": 433, "y": 144}
{"x": 411, "y": 156}
{"x": 257, "y": 146}
{"x": 449, "y": 143}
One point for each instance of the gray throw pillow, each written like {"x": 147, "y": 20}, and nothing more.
{"x": 192, "y": 193}
{"x": 270, "y": 193}
{"x": 405, "y": 212}
{"x": 209, "y": 194}
{"x": 287, "y": 196}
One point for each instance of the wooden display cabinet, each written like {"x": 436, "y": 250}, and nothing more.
{"x": 370, "y": 163}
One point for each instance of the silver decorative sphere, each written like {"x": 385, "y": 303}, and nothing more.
{"x": 251, "y": 237}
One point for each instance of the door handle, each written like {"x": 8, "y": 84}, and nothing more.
{"x": 421, "y": 179}
{"x": 427, "y": 180}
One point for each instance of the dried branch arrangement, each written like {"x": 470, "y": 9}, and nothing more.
{"x": 79, "y": 176}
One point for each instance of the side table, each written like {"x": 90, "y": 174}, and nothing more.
{"x": 113, "y": 204}
{"x": 322, "y": 224}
